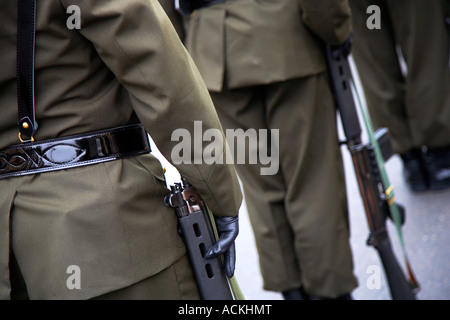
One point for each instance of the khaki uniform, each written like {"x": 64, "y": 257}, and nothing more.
{"x": 416, "y": 107}
{"x": 125, "y": 65}
{"x": 263, "y": 62}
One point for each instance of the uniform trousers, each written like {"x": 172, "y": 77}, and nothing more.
{"x": 299, "y": 215}
{"x": 412, "y": 102}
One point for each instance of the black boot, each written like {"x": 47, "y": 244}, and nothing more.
{"x": 414, "y": 170}
{"x": 293, "y": 294}
{"x": 346, "y": 296}
{"x": 437, "y": 166}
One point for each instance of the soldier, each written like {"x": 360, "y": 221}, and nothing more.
{"x": 414, "y": 104}
{"x": 264, "y": 65}
{"x": 101, "y": 231}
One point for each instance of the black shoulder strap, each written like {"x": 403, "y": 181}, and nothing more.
{"x": 26, "y": 19}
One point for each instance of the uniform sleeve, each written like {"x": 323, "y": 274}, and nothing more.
{"x": 330, "y": 20}
{"x": 174, "y": 16}
{"x": 139, "y": 44}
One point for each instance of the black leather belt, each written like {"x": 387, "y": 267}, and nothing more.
{"x": 73, "y": 151}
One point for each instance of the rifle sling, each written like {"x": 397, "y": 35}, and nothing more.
{"x": 387, "y": 186}
{"x": 26, "y": 21}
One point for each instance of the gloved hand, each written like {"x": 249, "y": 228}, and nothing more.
{"x": 228, "y": 229}
{"x": 344, "y": 49}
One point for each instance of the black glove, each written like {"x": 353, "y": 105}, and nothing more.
{"x": 343, "y": 49}
{"x": 228, "y": 229}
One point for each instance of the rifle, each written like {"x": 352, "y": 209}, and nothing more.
{"x": 368, "y": 162}
{"x": 198, "y": 234}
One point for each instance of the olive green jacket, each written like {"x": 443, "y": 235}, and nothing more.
{"x": 237, "y": 43}
{"x": 125, "y": 65}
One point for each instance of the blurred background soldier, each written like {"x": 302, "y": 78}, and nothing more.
{"x": 106, "y": 221}
{"x": 413, "y": 102}
{"x": 263, "y": 63}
